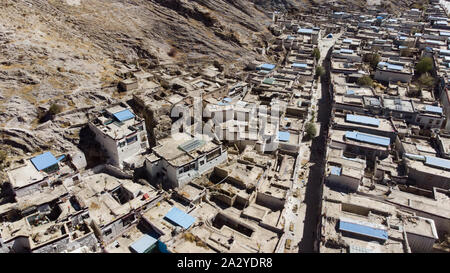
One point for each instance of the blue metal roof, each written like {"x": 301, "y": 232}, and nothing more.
{"x": 350, "y": 92}
{"x": 347, "y": 41}
{"x": 368, "y": 138}
{"x": 124, "y": 115}
{"x": 284, "y": 136}
{"x": 394, "y": 67}
{"x": 443, "y": 33}
{"x": 363, "y": 230}
{"x": 227, "y": 99}
{"x": 363, "y": 120}
{"x": 437, "y": 162}
{"x": 180, "y": 217}
{"x": 415, "y": 157}
{"x": 143, "y": 243}
{"x": 44, "y": 161}
{"x": 300, "y": 65}
{"x": 433, "y": 109}
{"x": 434, "y": 42}
{"x": 336, "y": 170}
{"x": 305, "y": 30}
{"x": 344, "y": 50}
{"x": 444, "y": 51}
{"x": 267, "y": 66}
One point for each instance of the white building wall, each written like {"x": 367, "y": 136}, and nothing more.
{"x": 118, "y": 154}
{"x": 383, "y": 75}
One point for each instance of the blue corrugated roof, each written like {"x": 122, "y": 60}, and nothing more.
{"x": 336, "y": 170}
{"x": 363, "y": 230}
{"x": 284, "y": 136}
{"x": 44, "y": 161}
{"x": 394, "y": 67}
{"x": 363, "y": 120}
{"x": 347, "y": 41}
{"x": 300, "y": 65}
{"x": 434, "y": 42}
{"x": 415, "y": 157}
{"x": 267, "y": 66}
{"x": 180, "y": 217}
{"x": 350, "y": 92}
{"x": 368, "y": 138}
{"x": 349, "y": 51}
{"x": 124, "y": 115}
{"x": 305, "y": 30}
{"x": 143, "y": 243}
{"x": 433, "y": 109}
{"x": 443, "y": 33}
{"x": 437, "y": 162}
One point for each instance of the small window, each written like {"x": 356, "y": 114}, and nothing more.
{"x": 107, "y": 232}
{"x": 121, "y": 144}
{"x": 131, "y": 140}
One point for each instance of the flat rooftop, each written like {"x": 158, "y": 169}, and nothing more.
{"x": 361, "y": 121}
{"x": 397, "y": 104}
{"x": 171, "y": 148}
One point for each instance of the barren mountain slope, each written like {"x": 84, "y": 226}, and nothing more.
{"x": 67, "y": 51}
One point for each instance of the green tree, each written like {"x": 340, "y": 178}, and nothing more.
{"x": 372, "y": 58}
{"x": 425, "y": 80}
{"x": 316, "y": 53}
{"x": 320, "y": 71}
{"x": 424, "y": 65}
{"x": 365, "y": 81}
{"x": 311, "y": 130}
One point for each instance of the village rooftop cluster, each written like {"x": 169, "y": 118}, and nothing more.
{"x": 240, "y": 185}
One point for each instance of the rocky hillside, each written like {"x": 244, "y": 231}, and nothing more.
{"x": 68, "y": 51}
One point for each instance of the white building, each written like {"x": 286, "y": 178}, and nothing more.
{"x": 180, "y": 158}
{"x": 121, "y": 134}
{"x": 390, "y": 72}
